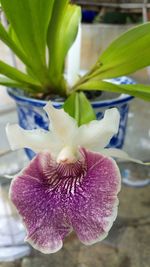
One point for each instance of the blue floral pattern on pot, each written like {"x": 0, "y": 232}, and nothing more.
{"x": 31, "y": 114}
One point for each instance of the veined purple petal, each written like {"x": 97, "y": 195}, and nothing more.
{"x": 41, "y": 206}
{"x": 53, "y": 198}
{"x": 94, "y": 208}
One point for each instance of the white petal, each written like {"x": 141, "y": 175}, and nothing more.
{"x": 61, "y": 124}
{"x": 97, "y": 134}
{"x": 118, "y": 153}
{"x": 37, "y": 140}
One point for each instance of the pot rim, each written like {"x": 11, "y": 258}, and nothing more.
{"x": 122, "y": 99}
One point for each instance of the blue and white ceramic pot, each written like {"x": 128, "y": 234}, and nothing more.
{"x": 31, "y": 114}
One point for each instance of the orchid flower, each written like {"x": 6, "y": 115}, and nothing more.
{"x": 71, "y": 184}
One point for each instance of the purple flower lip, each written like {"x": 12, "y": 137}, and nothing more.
{"x": 55, "y": 198}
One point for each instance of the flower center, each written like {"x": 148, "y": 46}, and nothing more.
{"x": 67, "y": 155}
{"x": 66, "y": 178}
{"x": 72, "y": 170}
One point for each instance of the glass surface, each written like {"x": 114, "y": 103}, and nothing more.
{"x": 137, "y": 144}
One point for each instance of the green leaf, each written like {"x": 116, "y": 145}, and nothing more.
{"x": 137, "y": 90}
{"x": 61, "y": 35}
{"x": 29, "y": 68}
{"x": 4, "y": 36}
{"x": 14, "y": 84}
{"x": 78, "y": 107}
{"x": 127, "y": 54}
{"x": 30, "y": 20}
{"x": 86, "y": 111}
{"x": 54, "y": 28}
{"x": 69, "y": 105}
{"x": 17, "y": 75}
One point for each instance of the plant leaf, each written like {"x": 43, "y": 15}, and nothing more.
{"x": 137, "y": 90}
{"x": 69, "y": 105}
{"x": 30, "y": 20}
{"x": 4, "y": 36}
{"x": 61, "y": 35}
{"x": 78, "y": 107}
{"x": 54, "y": 29}
{"x": 17, "y": 75}
{"x": 86, "y": 111}
{"x": 14, "y": 84}
{"x": 13, "y": 36}
{"x": 127, "y": 54}
{"x": 10, "y": 39}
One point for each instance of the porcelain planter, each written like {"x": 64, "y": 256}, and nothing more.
{"x": 31, "y": 114}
